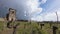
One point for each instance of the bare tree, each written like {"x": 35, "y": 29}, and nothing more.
{"x": 57, "y": 17}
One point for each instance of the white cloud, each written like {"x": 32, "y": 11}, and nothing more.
{"x": 37, "y": 18}
{"x": 50, "y": 16}
{"x": 32, "y": 7}
{"x": 43, "y": 1}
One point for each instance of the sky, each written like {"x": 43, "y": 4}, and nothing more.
{"x": 37, "y": 10}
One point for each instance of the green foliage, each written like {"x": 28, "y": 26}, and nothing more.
{"x": 1, "y": 25}
{"x": 33, "y": 28}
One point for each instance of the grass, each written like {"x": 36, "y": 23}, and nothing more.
{"x": 1, "y": 25}
{"x": 33, "y": 28}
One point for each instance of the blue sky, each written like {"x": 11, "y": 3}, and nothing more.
{"x": 38, "y": 10}
{"x": 48, "y": 12}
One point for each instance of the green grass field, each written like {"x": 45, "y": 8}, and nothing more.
{"x": 31, "y": 28}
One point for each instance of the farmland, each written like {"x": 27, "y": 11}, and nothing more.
{"x": 30, "y": 28}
